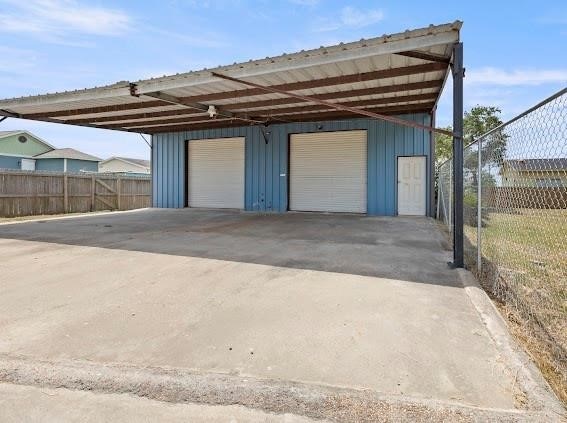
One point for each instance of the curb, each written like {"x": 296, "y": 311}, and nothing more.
{"x": 317, "y": 401}
{"x": 539, "y": 394}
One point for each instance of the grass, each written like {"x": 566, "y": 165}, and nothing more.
{"x": 525, "y": 268}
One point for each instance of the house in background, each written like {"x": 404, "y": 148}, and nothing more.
{"x": 125, "y": 165}
{"x": 538, "y": 173}
{"x": 66, "y": 160}
{"x": 19, "y": 148}
{"x": 24, "y": 151}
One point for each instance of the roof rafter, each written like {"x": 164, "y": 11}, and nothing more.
{"x": 99, "y": 109}
{"x": 425, "y": 56}
{"x": 236, "y": 94}
{"x": 313, "y": 117}
{"x": 334, "y": 105}
{"x": 269, "y": 103}
{"x": 326, "y": 82}
{"x": 268, "y": 114}
{"x": 393, "y": 110}
{"x": 8, "y": 113}
{"x": 202, "y": 107}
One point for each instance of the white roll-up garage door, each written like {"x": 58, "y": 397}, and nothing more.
{"x": 328, "y": 172}
{"x": 216, "y": 173}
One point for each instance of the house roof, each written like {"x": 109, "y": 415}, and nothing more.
{"x": 537, "y": 164}
{"x": 135, "y": 162}
{"x": 391, "y": 74}
{"x": 5, "y": 134}
{"x": 67, "y": 153}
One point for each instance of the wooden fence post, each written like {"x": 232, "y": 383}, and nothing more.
{"x": 118, "y": 192}
{"x": 65, "y": 194}
{"x": 93, "y": 193}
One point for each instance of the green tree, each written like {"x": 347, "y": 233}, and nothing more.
{"x": 477, "y": 121}
{"x": 443, "y": 147}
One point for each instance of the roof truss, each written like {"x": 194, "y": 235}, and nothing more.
{"x": 332, "y": 105}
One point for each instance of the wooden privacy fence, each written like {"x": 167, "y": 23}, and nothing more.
{"x": 524, "y": 197}
{"x": 34, "y": 193}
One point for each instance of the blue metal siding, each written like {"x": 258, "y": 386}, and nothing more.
{"x": 265, "y": 189}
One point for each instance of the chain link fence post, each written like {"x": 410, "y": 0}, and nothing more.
{"x": 479, "y": 211}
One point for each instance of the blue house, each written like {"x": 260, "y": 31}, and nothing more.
{"x": 18, "y": 149}
{"x": 66, "y": 160}
{"x": 25, "y": 151}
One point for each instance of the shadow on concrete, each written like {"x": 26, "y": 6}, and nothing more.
{"x": 404, "y": 248}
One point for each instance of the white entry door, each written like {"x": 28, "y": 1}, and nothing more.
{"x": 216, "y": 173}
{"x": 411, "y": 186}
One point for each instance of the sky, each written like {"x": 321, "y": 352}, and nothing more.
{"x": 515, "y": 51}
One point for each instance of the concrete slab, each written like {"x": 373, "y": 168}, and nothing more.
{"x": 398, "y": 248}
{"x": 348, "y": 301}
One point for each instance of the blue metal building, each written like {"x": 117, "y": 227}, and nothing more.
{"x": 266, "y": 158}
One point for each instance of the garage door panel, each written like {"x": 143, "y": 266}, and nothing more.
{"x": 328, "y": 171}
{"x": 216, "y": 173}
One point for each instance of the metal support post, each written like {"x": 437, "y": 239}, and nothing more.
{"x": 458, "y": 75}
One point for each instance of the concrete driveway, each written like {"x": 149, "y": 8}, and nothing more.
{"x": 323, "y": 305}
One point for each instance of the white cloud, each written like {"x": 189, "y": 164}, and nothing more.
{"x": 495, "y": 76}
{"x": 54, "y": 20}
{"x": 350, "y": 17}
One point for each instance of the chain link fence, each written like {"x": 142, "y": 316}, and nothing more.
{"x": 515, "y": 217}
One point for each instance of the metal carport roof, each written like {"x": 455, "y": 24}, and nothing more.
{"x": 392, "y": 74}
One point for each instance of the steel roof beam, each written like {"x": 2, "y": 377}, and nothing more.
{"x": 372, "y": 103}
{"x": 306, "y": 117}
{"x": 332, "y": 105}
{"x": 326, "y": 82}
{"x": 265, "y": 114}
{"x": 237, "y": 94}
{"x": 197, "y": 106}
{"x": 363, "y": 92}
{"x": 98, "y": 109}
{"x": 8, "y": 113}
{"x": 425, "y": 56}
{"x": 284, "y": 115}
